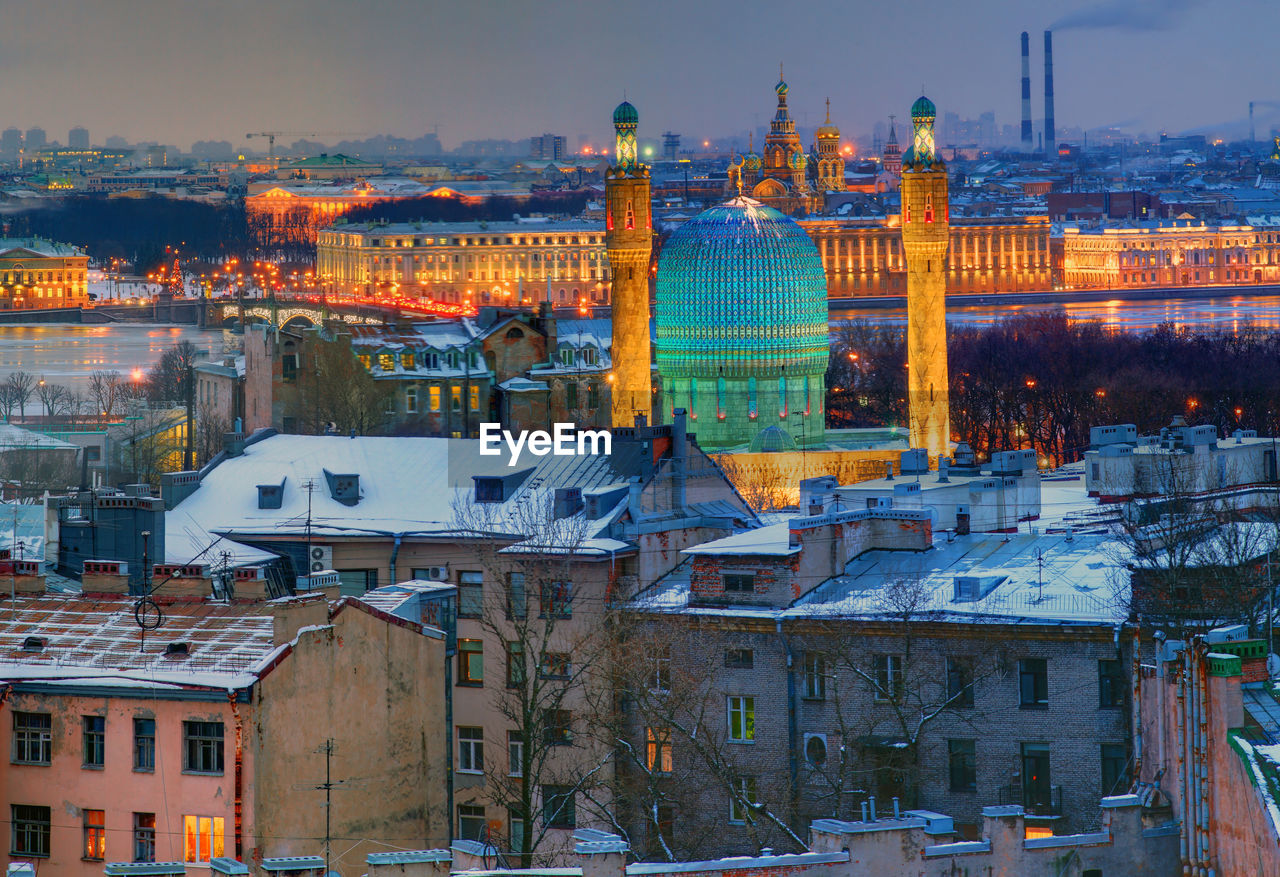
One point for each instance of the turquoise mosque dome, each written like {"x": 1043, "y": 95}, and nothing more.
{"x": 923, "y": 108}
{"x": 625, "y": 115}
{"x": 742, "y": 332}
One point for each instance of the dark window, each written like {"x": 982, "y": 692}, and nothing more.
{"x": 32, "y": 738}
{"x": 557, "y": 727}
{"x": 471, "y": 749}
{"x": 815, "y": 676}
{"x": 203, "y": 747}
{"x": 739, "y": 584}
{"x": 1115, "y": 773}
{"x": 666, "y": 819}
{"x": 888, "y": 676}
{"x": 470, "y": 662}
{"x": 144, "y": 837}
{"x": 95, "y": 835}
{"x": 962, "y": 758}
{"x": 144, "y": 744}
{"x": 742, "y": 659}
{"x": 470, "y": 594}
{"x": 558, "y": 809}
{"x": 30, "y": 830}
{"x": 471, "y": 822}
{"x": 571, "y": 395}
{"x": 556, "y": 600}
{"x": 959, "y": 683}
{"x": 487, "y": 489}
{"x": 1033, "y": 683}
{"x": 516, "y": 603}
{"x": 556, "y": 665}
{"x": 289, "y": 366}
{"x": 660, "y": 678}
{"x": 95, "y": 740}
{"x": 515, "y": 664}
{"x": 1111, "y": 685}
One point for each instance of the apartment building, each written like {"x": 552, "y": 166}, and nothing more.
{"x": 799, "y": 670}
{"x": 210, "y": 732}
{"x": 537, "y": 554}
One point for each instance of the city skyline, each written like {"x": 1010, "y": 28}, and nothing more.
{"x": 206, "y": 71}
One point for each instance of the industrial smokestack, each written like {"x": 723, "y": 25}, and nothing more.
{"x": 1026, "y": 93}
{"x": 1050, "y": 142}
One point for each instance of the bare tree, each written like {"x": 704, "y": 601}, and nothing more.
{"x": 339, "y": 390}
{"x": 108, "y": 390}
{"x": 20, "y": 385}
{"x": 54, "y": 398}
{"x": 148, "y": 445}
{"x": 211, "y": 427}
{"x": 170, "y": 379}
{"x": 551, "y": 636}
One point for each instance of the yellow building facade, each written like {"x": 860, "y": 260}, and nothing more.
{"x": 501, "y": 263}
{"x": 1163, "y": 253}
{"x": 40, "y": 274}
{"x": 864, "y": 257}
{"x": 925, "y": 237}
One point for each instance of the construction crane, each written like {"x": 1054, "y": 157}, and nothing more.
{"x": 272, "y": 135}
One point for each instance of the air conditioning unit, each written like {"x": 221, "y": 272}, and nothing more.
{"x": 438, "y": 573}
{"x": 321, "y": 558}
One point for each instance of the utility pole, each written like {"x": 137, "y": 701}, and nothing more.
{"x": 328, "y": 800}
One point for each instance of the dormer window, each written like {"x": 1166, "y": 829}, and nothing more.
{"x": 33, "y": 644}
{"x": 177, "y": 649}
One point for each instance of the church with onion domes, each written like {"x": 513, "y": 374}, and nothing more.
{"x": 786, "y": 177}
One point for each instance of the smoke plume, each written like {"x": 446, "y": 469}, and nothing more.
{"x": 1130, "y": 15}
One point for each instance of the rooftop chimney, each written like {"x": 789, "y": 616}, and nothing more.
{"x": 1027, "y": 143}
{"x": 1050, "y": 141}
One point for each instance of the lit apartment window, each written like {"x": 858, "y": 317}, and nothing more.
{"x": 203, "y": 837}
{"x": 558, "y": 727}
{"x": 32, "y": 738}
{"x": 556, "y": 665}
{"x": 433, "y": 395}
{"x": 470, "y": 662}
{"x": 95, "y": 738}
{"x": 202, "y": 749}
{"x": 95, "y": 835}
{"x": 556, "y": 600}
{"x": 470, "y": 750}
{"x": 742, "y": 719}
{"x": 658, "y": 749}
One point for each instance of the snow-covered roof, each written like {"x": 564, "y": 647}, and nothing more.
{"x": 1027, "y": 578}
{"x": 407, "y": 485}
{"x": 16, "y": 438}
{"x": 99, "y": 641}
{"x": 774, "y": 539}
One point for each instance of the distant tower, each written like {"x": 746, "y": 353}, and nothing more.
{"x": 830, "y": 162}
{"x": 925, "y": 234}
{"x": 78, "y": 138}
{"x": 670, "y": 146}
{"x": 892, "y": 152}
{"x": 1050, "y": 136}
{"x": 629, "y": 241}
{"x": 1027, "y": 143}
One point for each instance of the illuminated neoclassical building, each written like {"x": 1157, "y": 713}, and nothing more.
{"x": 742, "y": 337}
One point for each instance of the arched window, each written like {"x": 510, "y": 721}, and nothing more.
{"x": 808, "y": 403}
{"x": 753, "y": 409}
{"x": 631, "y": 214}
{"x": 693, "y": 398}
{"x": 782, "y": 396}
{"x": 928, "y": 208}
{"x": 720, "y": 398}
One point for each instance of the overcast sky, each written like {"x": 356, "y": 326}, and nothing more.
{"x": 182, "y": 70}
